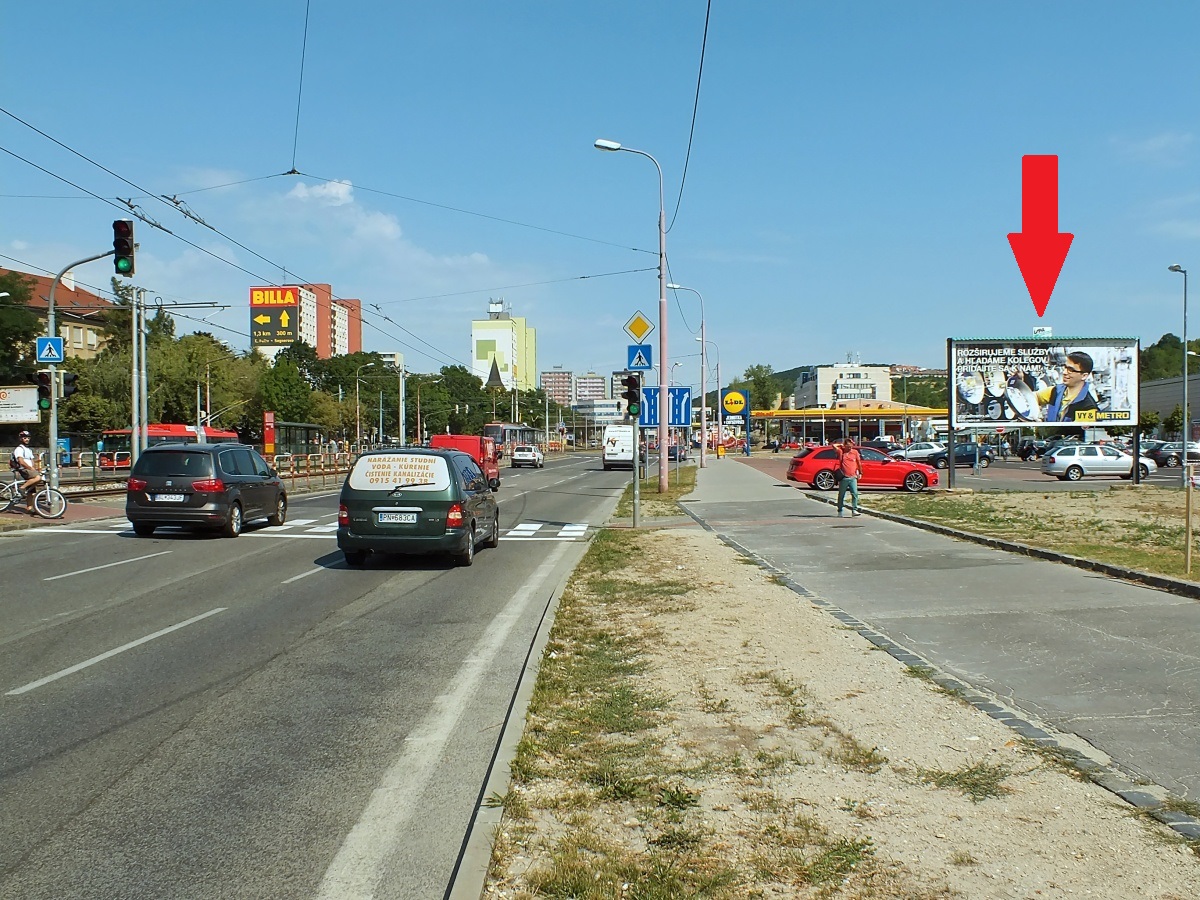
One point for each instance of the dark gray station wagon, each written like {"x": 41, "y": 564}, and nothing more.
{"x": 416, "y": 501}
{"x": 213, "y": 486}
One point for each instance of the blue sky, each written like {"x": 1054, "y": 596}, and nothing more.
{"x": 854, "y": 172}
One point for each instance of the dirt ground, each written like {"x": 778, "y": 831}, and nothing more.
{"x": 830, "y": 743}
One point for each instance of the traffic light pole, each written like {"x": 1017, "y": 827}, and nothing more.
{"x": 637, "y": 474}
{"x": 51, "y": 331}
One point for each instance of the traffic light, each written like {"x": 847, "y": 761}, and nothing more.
{"x": 632, "y": 395}
{"x": 123, "y": 246}
{"x": 45, "y": 390}
{"x": 69, "y": 385}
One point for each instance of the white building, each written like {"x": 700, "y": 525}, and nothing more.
{"x": 506, "y": 339}
{"x": 823, "y": 386}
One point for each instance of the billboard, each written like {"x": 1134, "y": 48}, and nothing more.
{"x": 1064, "y": 383}
{"x": 274, "y": 315}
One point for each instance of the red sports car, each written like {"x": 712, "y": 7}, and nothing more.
{"x": 815, "y": 466}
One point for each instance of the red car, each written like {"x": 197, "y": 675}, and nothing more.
{"x": 815, "y": 466}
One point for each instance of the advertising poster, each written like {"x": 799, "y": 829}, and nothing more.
{"x": 1066, "y": 383}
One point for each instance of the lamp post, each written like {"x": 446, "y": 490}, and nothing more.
{"x": 358, "y": 404}
{"x": 420, "y": 428}
{"x": 703, "y": 379}
{"x": 1186, "y": 418}
{"x": 720, "y": 430}
{"x": 662, "y": 304}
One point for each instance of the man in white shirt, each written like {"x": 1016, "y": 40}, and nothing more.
{"x": 25, "y": 463}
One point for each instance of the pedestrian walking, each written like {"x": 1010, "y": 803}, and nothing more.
{"x": 850, "y": 467}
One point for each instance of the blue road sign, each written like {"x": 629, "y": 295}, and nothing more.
{"x": 649, "y": 414}
{"x": 641, "y": 358}
{"x": 680, "y": 413}
{"x": 49, "y": 350}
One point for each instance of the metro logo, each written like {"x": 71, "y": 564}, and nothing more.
{"x": 263, "y": 296}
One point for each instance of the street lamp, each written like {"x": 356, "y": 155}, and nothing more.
{"x": 358, "y": 404}
{"x": 703, "y": 378}
{"x": 720, "y": 430}
{"x": 1186, "y": 419}
{"x": 662, "y": 304}
{"x": 420, "y": 428}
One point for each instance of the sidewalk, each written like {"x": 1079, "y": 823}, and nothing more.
{"x": 1064, "y": 656}
{"x": 17, "y": 519}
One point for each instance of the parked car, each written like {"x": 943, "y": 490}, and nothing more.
{"x": 416, "y": 501}
{"x": 219, "y": 487}
{"x": 527, "y": 455}
{"x": 883, "y": 446}
{"x": 964, "y": 455}
{"x": 1170, "y": 455}
{"x": 1075, "y": 461}
{"x": 815, "y": 466}
{"x": 919, "y": 451}
{"x": 676, "y": 453}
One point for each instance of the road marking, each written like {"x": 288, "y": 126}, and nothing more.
{"x": 358, "y": 867}
{"x": 302, "y": 575}
{"x": 528, "y": 531}
{"x": 107, "y": 565}
{"x": 110, "y": 653}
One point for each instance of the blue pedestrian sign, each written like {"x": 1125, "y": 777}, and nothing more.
{"x": 680, "y": 413}
{"x": 49, "y": 350}
{"x": 649, "y": 414}
{"x": 641, "y": 359}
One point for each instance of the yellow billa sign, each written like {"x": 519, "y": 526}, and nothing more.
{"x": 638, "y": 327}
{"x": 734, "y": 402}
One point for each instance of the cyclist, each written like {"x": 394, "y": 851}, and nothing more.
{"x": 24, "y": 463}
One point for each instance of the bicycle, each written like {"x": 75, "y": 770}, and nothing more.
{"x": 48, "y": 502}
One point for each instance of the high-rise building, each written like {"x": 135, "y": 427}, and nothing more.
{"x": 557, "y": 383}
{"x": 506, "y": 339}
{"x": 590, "y": 387}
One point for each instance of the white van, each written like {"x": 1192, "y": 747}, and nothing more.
{"x": 618, "y": 447}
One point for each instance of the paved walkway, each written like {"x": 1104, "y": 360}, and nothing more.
{"x": 1102, "y": 667}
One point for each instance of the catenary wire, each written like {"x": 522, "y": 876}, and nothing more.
{"x": 695, "y": 106}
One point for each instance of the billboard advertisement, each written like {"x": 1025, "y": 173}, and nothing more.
{"x": 274, "y": 314}
{"x": 1064, "y": 383}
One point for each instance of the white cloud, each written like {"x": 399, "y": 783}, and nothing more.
{"x": 1170, "y": 148}
{"x": 331, "y": 193}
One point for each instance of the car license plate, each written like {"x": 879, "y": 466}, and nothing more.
{"x": 168, "y": 498}
{"x": 397, "y": 518}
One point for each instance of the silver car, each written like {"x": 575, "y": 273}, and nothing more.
{"x": 527, "y": 455}
{"x": 920, "y": 451}
{"x": 1072, "y": 462}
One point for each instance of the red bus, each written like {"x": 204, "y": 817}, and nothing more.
{"x": 116, "y": 446}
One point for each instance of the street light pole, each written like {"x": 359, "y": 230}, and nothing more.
{"x": 1186, "y": 418}
{"x": 358, "y": 404}
{"x": 703, "y": 378}
{"x": 662, "y": 305}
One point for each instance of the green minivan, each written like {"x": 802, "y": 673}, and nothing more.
{"x": 416, "y": 500}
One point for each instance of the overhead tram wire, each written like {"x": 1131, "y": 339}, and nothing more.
{"x": 300, "y": 90}
{"x": 695, "y": 106}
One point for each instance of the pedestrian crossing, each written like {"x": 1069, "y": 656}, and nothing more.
{"x": 320, "y": 528}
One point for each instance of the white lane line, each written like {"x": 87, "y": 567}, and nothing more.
{"x": 289, "y": 536}
{"x": 103, "y": 656}
{"x": 107, "y": 565}
{"x": 302, "y": 575}
{"x": 358, "y": 867}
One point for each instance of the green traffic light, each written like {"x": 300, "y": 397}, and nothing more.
{"x": 43, "y": 402}
{"x": 124, "y": 265}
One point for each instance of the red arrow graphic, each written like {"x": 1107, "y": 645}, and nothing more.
{"x": 1040, "y": 248}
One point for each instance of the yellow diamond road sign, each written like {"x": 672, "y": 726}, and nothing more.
{"x": 638, "y": 327}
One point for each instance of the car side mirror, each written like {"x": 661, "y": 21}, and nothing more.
{"x": 494, "y": 484}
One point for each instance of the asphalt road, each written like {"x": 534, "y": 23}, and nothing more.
{"x": 188, "y": 716}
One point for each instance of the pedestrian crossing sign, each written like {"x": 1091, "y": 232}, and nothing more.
{"x": 49, "y": 350}
{"x": 641, "y": 359}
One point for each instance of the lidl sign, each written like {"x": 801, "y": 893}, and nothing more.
{"x": 734, "y": 402}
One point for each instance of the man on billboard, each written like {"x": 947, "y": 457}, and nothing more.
{"x": 1074, "y": 395}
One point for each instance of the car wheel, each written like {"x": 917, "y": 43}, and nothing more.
{"x": 233, "y": 525}
{"x": 1074, "y": 473}
{"x": 355, "y": 557}
{"x": 915, "y": 481}
{"x": 984, "y": 463}
{"x": 280, "y": 512}
{"x": 467, "y": 555}
{"x": 1144, "y": 471}
{"x": 941, "y": 463}
{"x": 1171, "y": 462}
{"x": 824, "y": 481}
{"x": 494, "y": 541}
{"x": 143, "y": 529}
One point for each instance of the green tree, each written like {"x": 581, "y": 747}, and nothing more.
{"x": 19, "y": 326}
{"x": 1174, "y": 422}
{"x": 285, "y": 392}
{"x": 925, "y": 391}
{"x": 764, "y": 388}
{"x": 1148, "y": 420}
